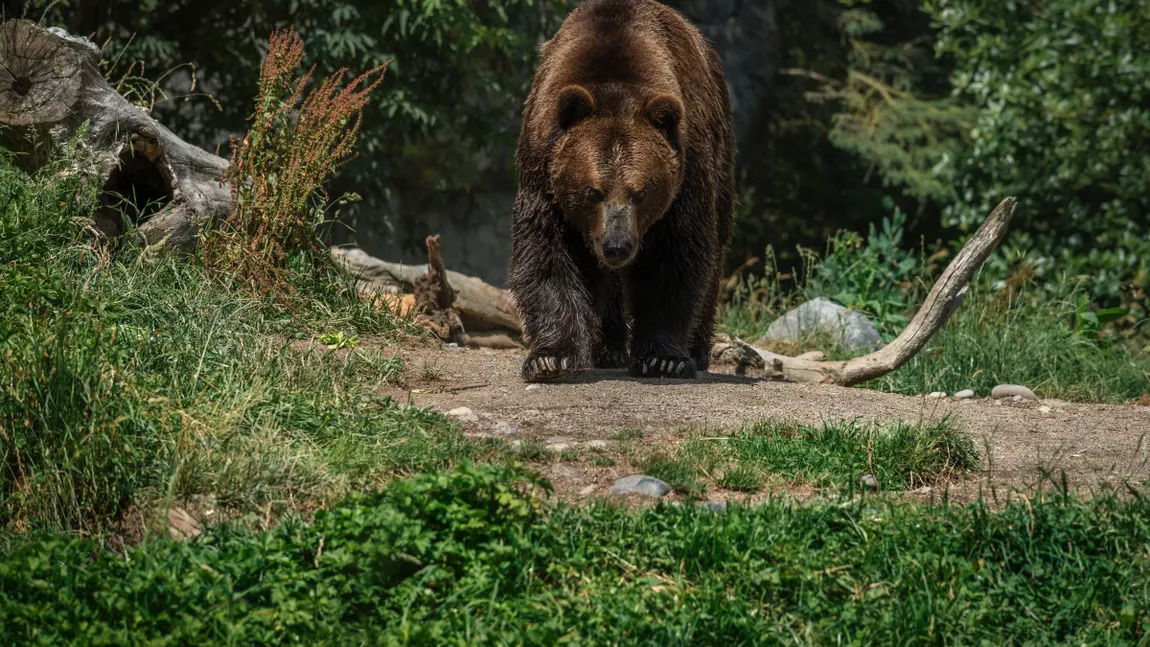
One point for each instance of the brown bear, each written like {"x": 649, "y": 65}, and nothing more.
{"x": 626, "y": 195}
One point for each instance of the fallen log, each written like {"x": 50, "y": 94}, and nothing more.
{"x": 482, "y": 306}
{"x": 51, "y": 87}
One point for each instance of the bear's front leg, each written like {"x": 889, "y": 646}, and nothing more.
{"x": 548, "y": 282}
{"x": 666, "y": 290}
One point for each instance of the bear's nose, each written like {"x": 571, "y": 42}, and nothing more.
{"x": 616, "y": 249}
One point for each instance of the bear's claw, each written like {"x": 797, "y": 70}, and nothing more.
{"x": 664, "y": 366}
{"x": 547, "y": 367}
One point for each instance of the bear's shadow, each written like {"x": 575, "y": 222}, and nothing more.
{"x": 593, "y": 376}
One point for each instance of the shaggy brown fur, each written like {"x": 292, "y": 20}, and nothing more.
{"x": 626, "y": 197}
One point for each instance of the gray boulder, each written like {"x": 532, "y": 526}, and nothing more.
{"x": 849, "y": 328}
{"x": 641, "y": 484}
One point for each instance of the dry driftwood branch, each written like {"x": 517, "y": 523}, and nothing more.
{"x": 482, "y": 306}
{"x": 942, "y": 300}
{"x": 436, "y": 299}
{"x": 51, "y": 85}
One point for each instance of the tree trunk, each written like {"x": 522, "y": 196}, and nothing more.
{"x": 51, "y": 87}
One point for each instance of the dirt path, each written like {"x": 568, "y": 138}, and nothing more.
{"x": 1093, "y": 444}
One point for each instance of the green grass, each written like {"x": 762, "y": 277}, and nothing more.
{"x": 1026, "y": 341}
{"x": 131, "y": 376}
{"x": 833, "y": 456}
{"x": 468, "y": 557}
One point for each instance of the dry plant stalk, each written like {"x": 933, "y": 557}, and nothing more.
{"x": 278, "y": 173}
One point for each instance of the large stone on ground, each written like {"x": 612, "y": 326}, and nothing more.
{"x": 852, "y": 330}
{"x": 640, "y": 484}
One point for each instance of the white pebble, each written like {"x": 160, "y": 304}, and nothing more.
{"x": 965, "y": 394}
{"x": 463, "y": 414}
{"x": 937, "y": 395}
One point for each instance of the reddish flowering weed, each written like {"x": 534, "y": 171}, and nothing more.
{"x": 278, "y": 173}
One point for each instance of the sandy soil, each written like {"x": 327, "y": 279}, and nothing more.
{"x": 1094, "y": 445}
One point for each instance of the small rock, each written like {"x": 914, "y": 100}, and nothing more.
{"x": 1016, "y": 398}
{"x": 1044, "y": 409}
{"x": 1010, "y": 390}
{"x": 640, "y": 484}
{"x": 507, "y": 429}
{"x": 463, "y": 414}
{"x": 564, "y": 471}
{"x": 453, "y": 346}
{"x": 869, "y": 482}
{"x": 937, "y": 395}
{"x": 534, "y": 387}
{"x": 587, "y": 490}
{"x": 558, "y": 447}
{"x": 964, "y": 394}
{"x": 182, "y": 525}
{"x": 849, "y": 328}
{"x": 714, "y": 506}
{"x": 597, "y": 444}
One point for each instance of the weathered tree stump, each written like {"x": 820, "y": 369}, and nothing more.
{"x": 51, "y": 88}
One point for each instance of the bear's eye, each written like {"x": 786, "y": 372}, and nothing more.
{"x": 594, "y": 195}
{"x": 639, "y": 195}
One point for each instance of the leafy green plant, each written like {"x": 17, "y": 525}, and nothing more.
{"x": 469, "y": 556}
{"x": 875, "y": 275}
{"x": 337, "y": 340}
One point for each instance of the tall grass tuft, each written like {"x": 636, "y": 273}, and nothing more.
{"x": 279, "y": 171}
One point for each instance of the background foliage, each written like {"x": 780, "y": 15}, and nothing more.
{"x": 939, "y": 108}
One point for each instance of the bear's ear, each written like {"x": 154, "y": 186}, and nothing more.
{"x": 665, "y": 113}
{"x": 575, "y": 104}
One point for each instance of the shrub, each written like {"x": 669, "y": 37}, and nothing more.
{"x": 1061, "y": 89}
{"x": 278, "y": 173}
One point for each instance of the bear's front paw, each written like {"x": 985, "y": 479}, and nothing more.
{"x": 548, "y": 367}
{"x": 609, "y": 358}
{"x": 663, "y": 366}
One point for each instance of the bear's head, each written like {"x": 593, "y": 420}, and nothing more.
{"x": 616, "y": 166}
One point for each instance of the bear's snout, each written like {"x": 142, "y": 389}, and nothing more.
{"x": 617, "y": 241}
{"x": 617, "y": 250}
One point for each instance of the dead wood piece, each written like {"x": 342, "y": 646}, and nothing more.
{"x": 482, "y": 306}
{"x": 51, "y": 86}
{"x": 942, "y": 300}
{"x": 732, "y": 351}
{"x": 445, "y": 296}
